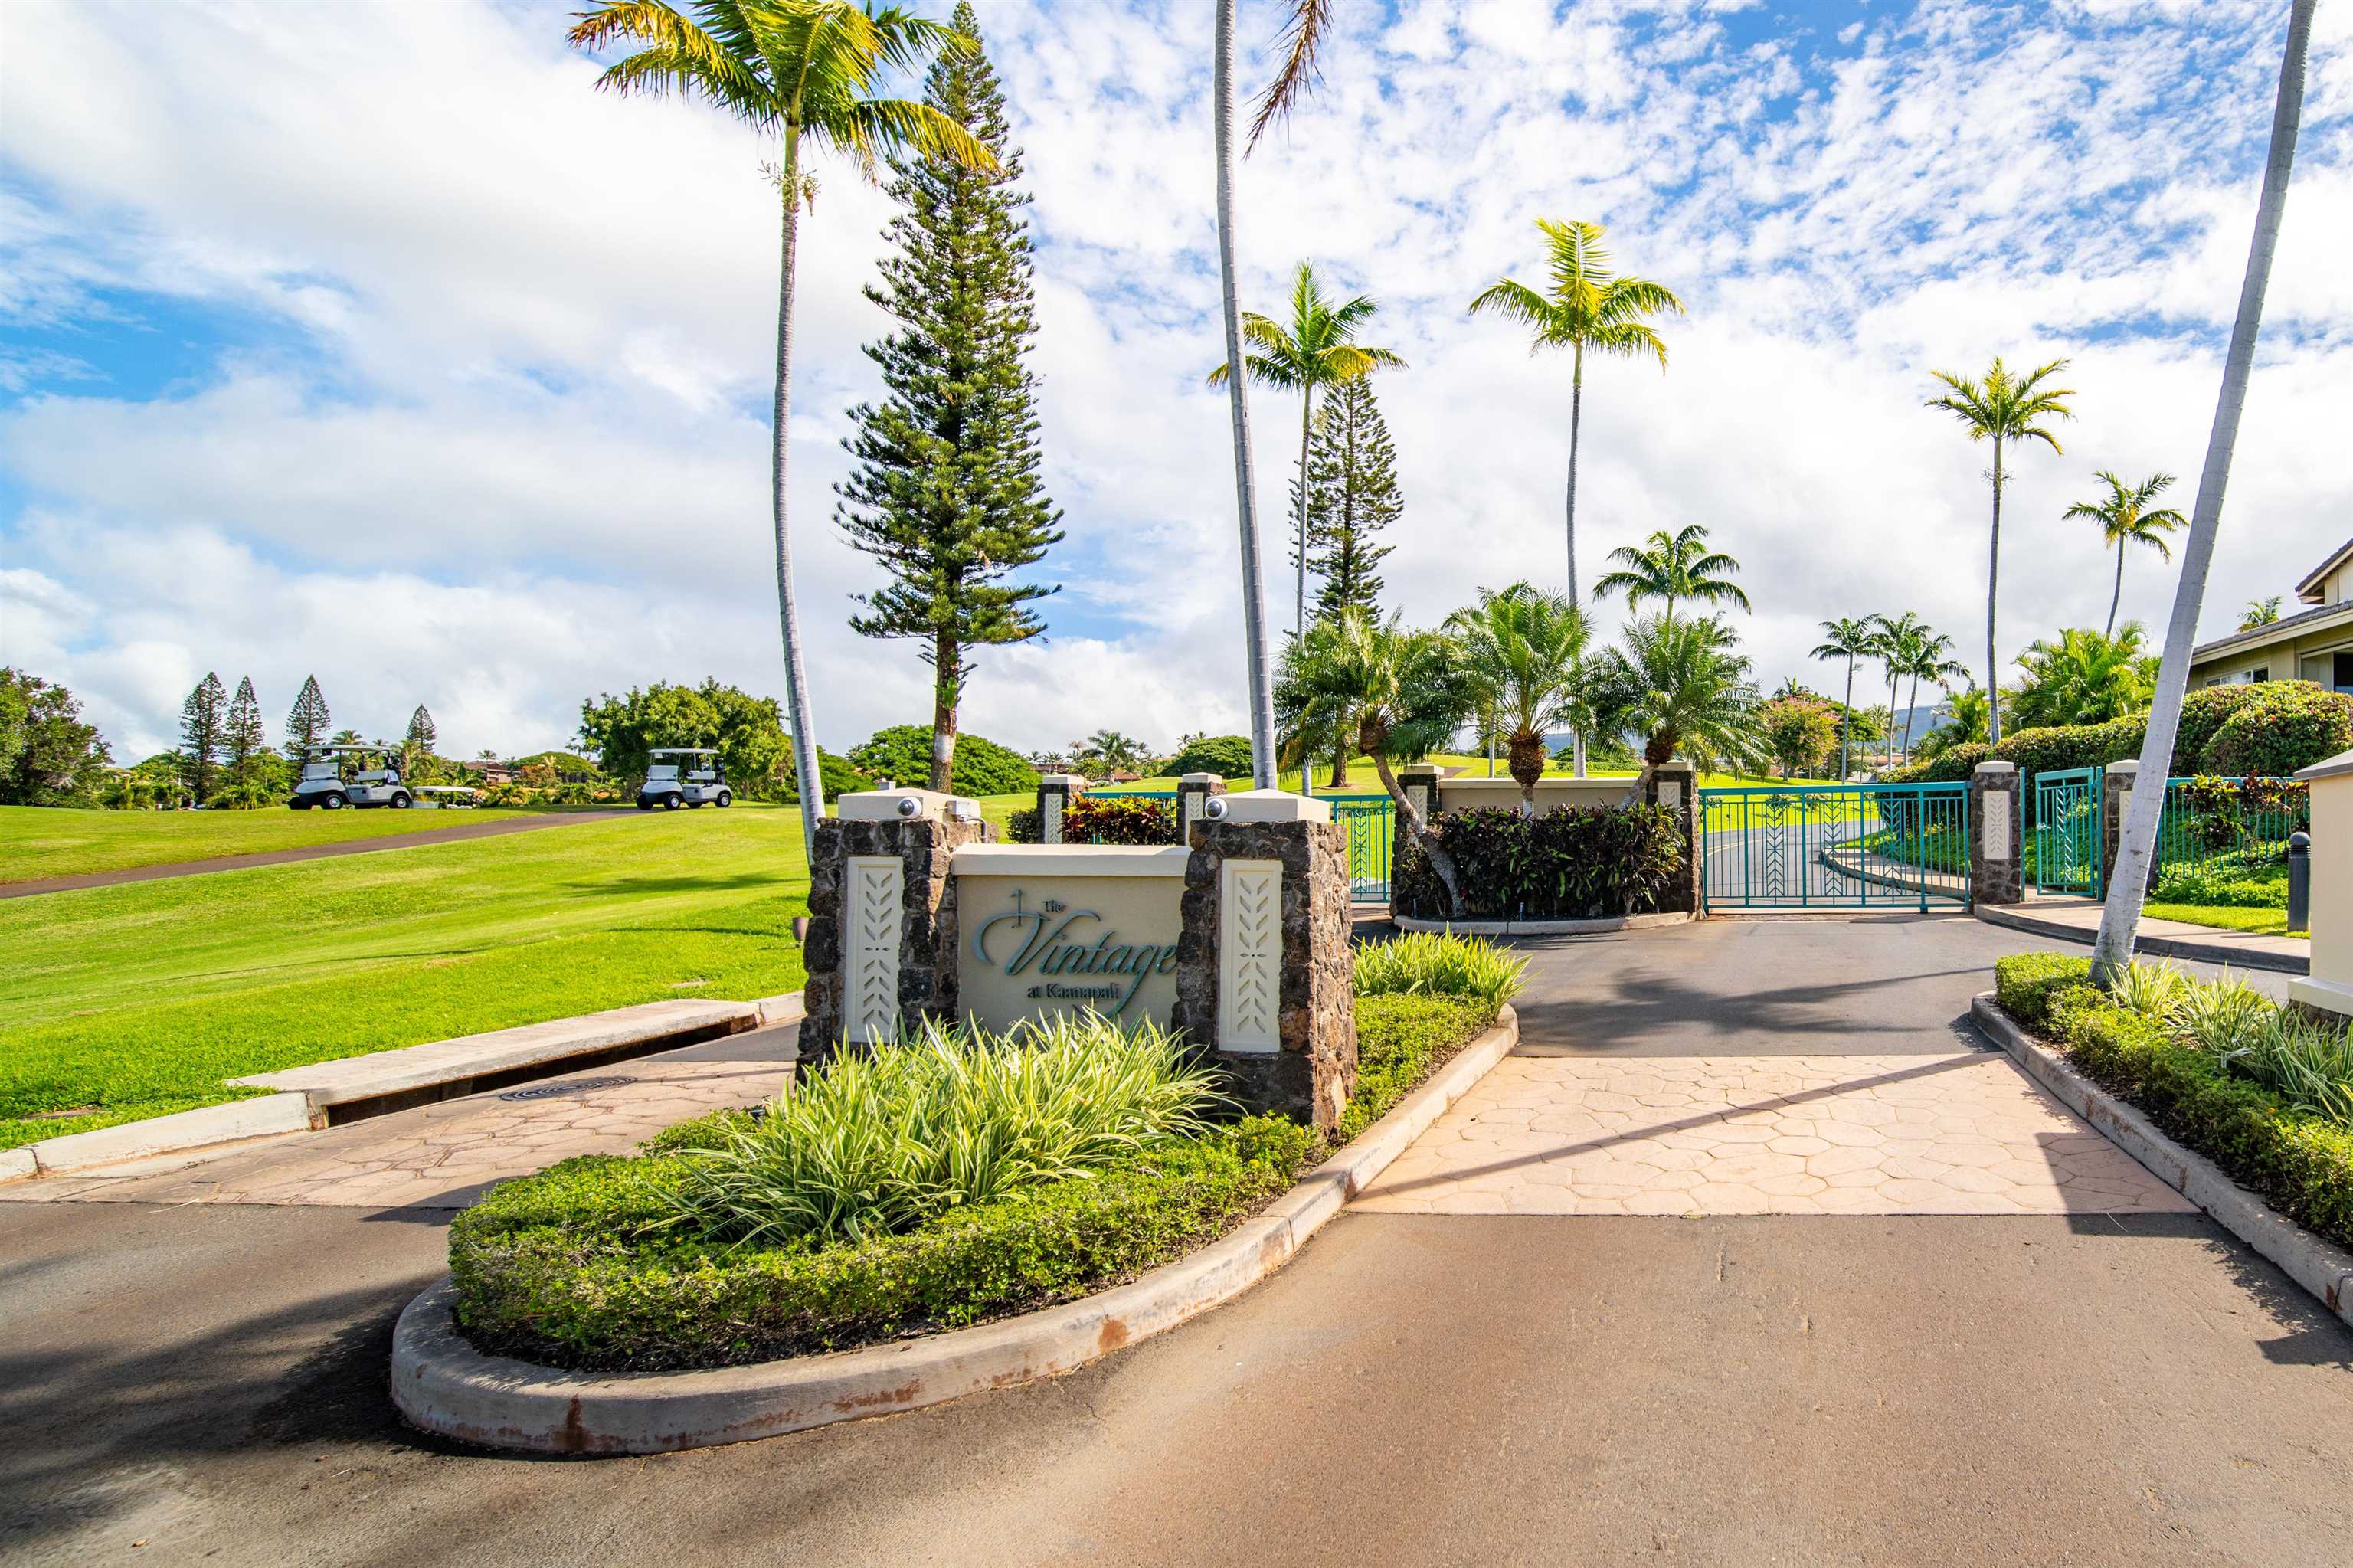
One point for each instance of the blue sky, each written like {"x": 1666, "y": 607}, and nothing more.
{"x": 416, "y": 363}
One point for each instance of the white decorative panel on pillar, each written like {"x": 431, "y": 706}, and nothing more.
{"x": 1249, "y": 956}
{"x": 872, "y": 888}
{"x": 1670, "y": 794}
{"x": 1194, "y": 800}
{"x": 1049, "y": 815}
{"x": 1995, "y": 805}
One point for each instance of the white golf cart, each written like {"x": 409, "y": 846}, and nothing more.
{"x": 334, "y": 777}
{"x": 691, "y": 777}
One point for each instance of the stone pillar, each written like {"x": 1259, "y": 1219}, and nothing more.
{"x": 1998, "y": 835}
{"x": 881, "y": 949}
{"x": 1674, "y": 783}
{"x": 1193, "y": 792}
{"x": 1055, "y": 791}
{"x": 2116, "y": 788}
{"x": 2328, "y": 989}
{"x": 1265, "y": 981}
{"x": 1420, "y": 782}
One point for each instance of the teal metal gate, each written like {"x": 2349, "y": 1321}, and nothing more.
{"x": 2068, "y": 847}
{"x": 1370, "y": 822}
{"x": 1826, "y": 847}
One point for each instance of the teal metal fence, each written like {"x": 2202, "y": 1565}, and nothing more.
{"x": 2068, "y": 845}
{"x": 2235, "y": 828}
{"x": 1370, "y": 823}
{"x": 1847, "y": 846}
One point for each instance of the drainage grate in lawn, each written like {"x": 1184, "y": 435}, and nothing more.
{"x": 577, "y": 1087}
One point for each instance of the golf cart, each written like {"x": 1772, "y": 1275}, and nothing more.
{"x": 374, "y": 780}
{"x": 691, "y": 776}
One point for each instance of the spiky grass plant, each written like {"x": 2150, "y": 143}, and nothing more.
{"x": 2306, "y": 1063}
{"x": 2150, "y": 989}
{"x": 1430, "y": 963}
{"x": 879, "y": 1142}
{"x": 2220, "y": 1016}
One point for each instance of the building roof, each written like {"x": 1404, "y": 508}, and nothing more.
{"x": 2309, "y": 589}
{"x": 2279, "y": 630}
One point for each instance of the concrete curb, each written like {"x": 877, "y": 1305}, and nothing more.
{"x": 444, "y": 1385}
{"x": 786, "y": 1008}
{"x": 1540, "y": 928}
{"x": 2324, "y": 1269}
{"x": 263, "y": 1116}
{"x": 2157, "y": 946}
{"x": 16, "y": 1164}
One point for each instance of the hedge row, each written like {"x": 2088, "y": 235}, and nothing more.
{"x": 1572, "y": 863}
{"x": 1099, "y": 820}
{"x": 569, "y": 1268}
{"x": 2301, "y": 1165}
{"x": 2265, "y": 730}
{"x": 903, "y": 754}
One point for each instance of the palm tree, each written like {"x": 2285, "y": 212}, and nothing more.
{"x": 1670, "y": 567}
{"x": 799, "y": 70}
{"x": 1967, "y": 723}
{"x": 2086, "y": 677}
{"x": 1586, "y": 307}
{"x": 2119, "y": 919}
{"x": 2261, "y": 613}
{"x": 1404, "y": 694}
{"x": 1523, "y": 648}
{"x": 1314, "y": 351}
{"x": 1928, "y": 653}
{"x": 2002, "y": 409}
{"x": 1681, "y": 686}
{"x": 1892, "y": 645}
{"x": 2127, "y": 517}
{"x": 1848, "y": 639}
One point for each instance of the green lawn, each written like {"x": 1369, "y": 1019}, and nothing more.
{"x": 37, "y": 842}
{"x": 139, "y": 999}
{"x": 2225, "y": 917}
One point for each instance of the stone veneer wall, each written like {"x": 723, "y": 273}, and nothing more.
{"x": 1311, "y": 1076}
{"x": 924, "y": 847}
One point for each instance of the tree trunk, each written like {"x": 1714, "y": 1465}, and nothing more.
{"x": 946, "y": 661}
{"x": 1261, "y": 687}
{"x": 1299, "y": 613}
{"x": 1846, "y": 718}
{"x": 1411, "y": 820}
{"x": 809, "y": 775}
{"x": 1993, "y": 574}
{"x": 1575, "y": 419}
{"x": 1528, "y": 767}
{"x": 2116, "y": 597}
{"x": 1893, "y": 680}
{"x": 2121, "y": 917}
{"x": 1340, "y": 749}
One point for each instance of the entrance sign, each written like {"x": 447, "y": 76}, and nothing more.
{"x": 1055, "y": 932}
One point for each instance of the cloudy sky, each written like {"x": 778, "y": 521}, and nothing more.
{"x": 371, "y": 341}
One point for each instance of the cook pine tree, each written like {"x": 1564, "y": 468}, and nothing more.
{"x": 203, "y": 718}
{"x": 418, "y": 742}
{"x": 945, "y": 494}
{"x": 242, "y": 739}
{"x": 1352, "y": 496}
{"x": 307, "y": 721}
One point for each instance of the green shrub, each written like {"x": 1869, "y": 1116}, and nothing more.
{"x": 1432, "y": 964}
{"x": 2025, "y": 983}
{"x": 2211, "y": 884}
{"x": 838, "y": 775}
{"x": 1109, "y": 819}
{"x": 1226, "y": 756}
{"x": 1402, "y": 1037}
{"x": 557, "y": 1268}
{"x": 1568, "y": 863}
{"x": 903, "y": 753}
{"x": 2278, "y": 727}
{"x": 879, "y": 1141}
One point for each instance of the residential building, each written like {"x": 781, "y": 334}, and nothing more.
{"x": 2314, "y": 644}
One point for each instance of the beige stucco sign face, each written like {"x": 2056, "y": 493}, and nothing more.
{"x": 1045, "y": 946}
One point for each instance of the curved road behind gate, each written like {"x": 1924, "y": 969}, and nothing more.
{"x": 2101, "y": 1385}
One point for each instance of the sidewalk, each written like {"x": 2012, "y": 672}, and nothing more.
{"x": 2078, "y": 920}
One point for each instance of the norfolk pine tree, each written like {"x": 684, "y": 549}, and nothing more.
{"x": 202, "y": 720}
{"x": 307, "y": 721}
{"x": 1352, "y": 495}
{"x": 945, "y": 494}
{"x": 242, "y": 736}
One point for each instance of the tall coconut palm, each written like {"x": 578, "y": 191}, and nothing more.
{"x": 2127, "y": 516}
{"x": 1523, "y": 648}
{"x": 1928, "y": 653}
{"x": 2138, "y": 839}
{"x": 1893, "y": 641}
{"x": 1850, "y": 639}
{"x": 803, "y": 71}
{"x": 1585, "y": 307}
{"x": 2002, "y": 408}
{"x": 1402, "y": 694}
{"x": 1679, "y": 684}
{"x": 1315, "y": 350}
{"x": 1673, "y": 567}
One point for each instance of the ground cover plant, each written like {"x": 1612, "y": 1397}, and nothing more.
{"x": 129, "y": 1002}
{"x": 1571, "y": 863}
{"x": 2265, "y": 1093}
{"x": 938, "y": 1185}
{"x": 40, "y": 842}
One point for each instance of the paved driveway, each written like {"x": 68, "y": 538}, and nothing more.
{"x": 2087, "y": 1388}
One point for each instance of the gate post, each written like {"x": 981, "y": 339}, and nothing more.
{"x": 1420, "y": 782}
{"x": 2115, "y": 791}
{"x": 1193, "y": 792}
{"x": 1672, "y": 784}
{"x": 1997, "y": 852}
{"x": 1054, "y": 793}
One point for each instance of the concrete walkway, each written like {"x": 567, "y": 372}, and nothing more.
{"x": 452, "y": 834}
{"x": 2078, "y": 920}
{"x": 2091, "y": 1388}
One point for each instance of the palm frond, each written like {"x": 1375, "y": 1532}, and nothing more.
{"x": 1303, "y": 35}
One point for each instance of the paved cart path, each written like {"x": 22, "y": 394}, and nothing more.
{"x": 2089, "y": 1387}
{"x": 305, "y": 852}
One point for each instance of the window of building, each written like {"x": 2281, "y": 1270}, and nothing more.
{"x": 2344, "y": 680}
{"x": 2259, "y": 673}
